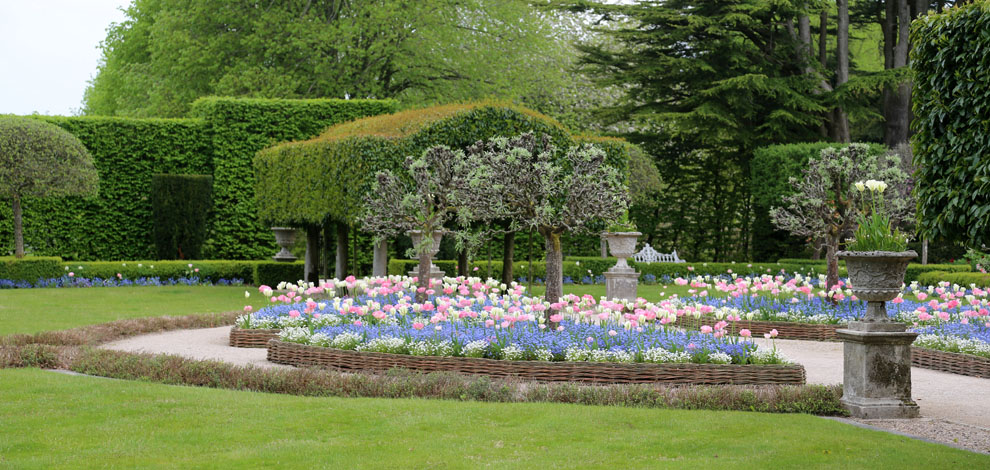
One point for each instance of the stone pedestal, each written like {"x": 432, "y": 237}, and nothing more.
{"x": 435, "y": 272}
{"x": 434, "y": 247}
{"x": 284, "y": 237}
{"x": 621, "y": 283}
{"x": 877, "y": 370}
{"x": 379, "y": 262}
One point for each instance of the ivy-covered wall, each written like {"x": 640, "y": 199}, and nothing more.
{"x": 221, "y": 139}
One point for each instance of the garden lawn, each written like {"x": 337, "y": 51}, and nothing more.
{"x": 122, "y": 424}
{"x": 45, "y": 309}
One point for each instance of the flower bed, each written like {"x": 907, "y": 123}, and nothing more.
{"x": 75, "y": 281}
{"x": 295, "y": 354}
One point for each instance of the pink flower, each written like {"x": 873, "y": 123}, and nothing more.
{"x": 690, "y": 268}
{"x": 766, "y": 335}
{"x": 71, "y": 274}
{"x": 378, "y": 314}
{"x": 248, "y": 308}
{"x": 944, "y": 316}
{"x": 196, "y": 270}
{"x": 922, "y": 296}
{"x": 897, "y": 300}
{"x": 475, "y": 268}
{"x": 589, "y": 339}
{"x": 561, "y": 328}
{"x": 489, "y": 323}
{"x": 706, "y": 329}
{"x": 773, "y": 333}
{"x": 745, "y": 333}
{"x": 419, "y": 326}
{"x": 294, "y": 313}
{"x": 358, "y": 323}
{"x": 556, "y": 318}
{"x": 612, "y": 332}
{"x": 119, "y": 276}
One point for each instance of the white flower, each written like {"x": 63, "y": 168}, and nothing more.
{"x": 860, "y": 186}
{"x": 247, "y": 294}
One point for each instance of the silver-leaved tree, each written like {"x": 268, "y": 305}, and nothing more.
{"x": 38, "y": 159}
{"x": 425, "y": 201}
{"x": 824, "y": 203}
{"x": 528, "y": 182}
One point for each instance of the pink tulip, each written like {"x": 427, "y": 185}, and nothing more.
{"x": 706, "y": 329}
{"x": 745, "y": 333}
{"x": 773, "y": 333}
{"x": 248, "y": 308}
{"x": 418, "y": 326}
{"x": 294, "y": 313}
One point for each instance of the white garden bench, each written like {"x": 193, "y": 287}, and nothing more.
{"x": 649, "y": 255}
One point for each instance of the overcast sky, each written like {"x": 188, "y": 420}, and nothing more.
{"x": 48, "y": 51}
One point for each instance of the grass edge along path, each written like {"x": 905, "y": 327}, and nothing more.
{"x": 135, "y": 424}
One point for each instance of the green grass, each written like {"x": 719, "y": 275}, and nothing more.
{"x": 122, "y": 424}
{"x": 34, "y": 310}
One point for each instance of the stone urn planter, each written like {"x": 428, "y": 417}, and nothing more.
{"x": 621, "y": 280}
{"x": 417, "y": 237}
{"x": 285, "y": 237}
{"x": 877, "y": 350}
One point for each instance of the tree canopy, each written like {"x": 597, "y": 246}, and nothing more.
{"x": 167, "y": 53}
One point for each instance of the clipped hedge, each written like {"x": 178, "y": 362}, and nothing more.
{"x": 270, "y": 273}
{"x": 30, "y": 268}
{"x": 181, "y": 206}
{"x": 577, "y": 268}
{"x": 951, "y": 104}
{"x": 932, "y": 278}
{"x": 306, "y": 182}
{"x": 239, "y": 129}
{"x": 164, "y": 269}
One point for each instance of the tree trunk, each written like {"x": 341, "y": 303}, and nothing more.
{"x": 508, "y": 249}
{"x": 341, "y": 269}
{"x": 555, "y": 266}
{"x": 462, "y": 263}
{"x": 842, "y": 67}
{"x": 897, "y": 101}
{"x": 423, "y": 272}
{"x": 823, "y": 39}
{"x": 924, "y": 251}
{"x": 312, "y": 267}
{"x": 18, "y": 229}
{"x": 555, "y": 269}
{"x": 832, "y": 273}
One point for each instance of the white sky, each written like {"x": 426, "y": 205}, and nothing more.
{"x": 48, "y": 52}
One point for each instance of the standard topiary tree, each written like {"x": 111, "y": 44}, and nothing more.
{"x": 526, "y": 181}
{"x": 823, "y": 203}
{"x": 38, "y": 159}
{"x": 394, "y": 205}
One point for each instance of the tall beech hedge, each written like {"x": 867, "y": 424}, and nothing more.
{"x": 306, "y": 182}
{"x": 181, "y": 205}
{"x": 951, "y": 101}
{"x": 219, "y": 140}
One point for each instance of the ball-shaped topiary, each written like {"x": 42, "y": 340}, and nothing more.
{"x": 38, "y": 159}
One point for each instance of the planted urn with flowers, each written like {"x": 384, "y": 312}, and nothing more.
{"x": 877, "y": 351}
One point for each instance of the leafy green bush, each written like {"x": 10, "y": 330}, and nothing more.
{"x": 181, "y": 205}
{"x": 164, "y": 269}
{"x": 270, "y": 273}
{"x": 932, "y": 278}
{"x": 951, "y": 104}
{"x": 30, "y": 268}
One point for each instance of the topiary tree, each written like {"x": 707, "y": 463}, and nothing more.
{"x": 823, "y": 203}
{"x": 394, "y": 205}
{"x": 38, "y": 159}
{"x": 528, "y": 182}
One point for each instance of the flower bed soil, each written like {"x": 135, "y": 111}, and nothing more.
{"x": 252, "y": 338}
{"x": 953, "y": 363}
{"x": 785, "y": 330}
{"x": 301, "y": 355}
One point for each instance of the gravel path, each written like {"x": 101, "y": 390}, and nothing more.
{"x": 955, "y": 409}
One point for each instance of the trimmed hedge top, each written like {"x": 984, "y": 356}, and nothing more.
{"x": 303, "y": 183}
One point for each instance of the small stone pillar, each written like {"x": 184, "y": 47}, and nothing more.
{"x": 379, "y": 266}
{"x": 621, "y": 280}
{"x": 876, "y": 378}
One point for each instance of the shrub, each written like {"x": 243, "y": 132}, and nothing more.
{"x": 180, "y": 207}
{"x": 964, "y": 279}
{"x": 270, "y": 273}
{"x": 951, "y": 104}
{"x": 30, "y": 268}
{"x": 165, "y": 269}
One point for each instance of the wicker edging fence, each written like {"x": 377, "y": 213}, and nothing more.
{"x": 785, "y": 330}
{"x": 953, "y": 363}
{"x": 251, "y": 338}
{"x": 301, "y": 355}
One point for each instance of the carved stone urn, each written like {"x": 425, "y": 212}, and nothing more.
{"x": 877, "y": 350}
{"x": 285, "y": 237}
{"x": 417, "y": 237}
{"x": 621, "y": 280}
